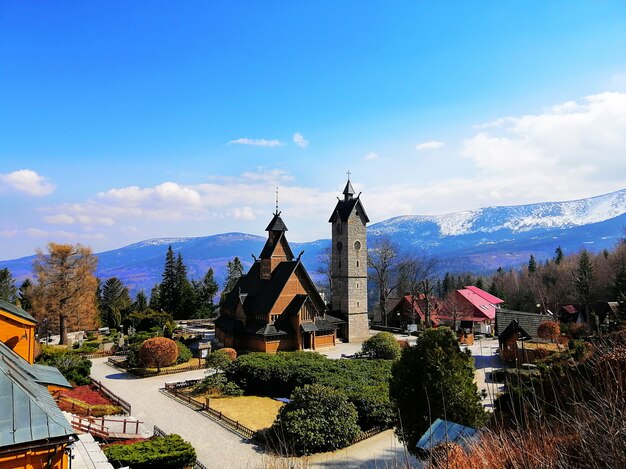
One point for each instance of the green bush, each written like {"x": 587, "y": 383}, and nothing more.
{"x": 364, "y": 382}
{"x": 164, "y": 452}
{"x": 218, "y": 360}
{"x": 382, "y": 345}
{"x": 317, "y": 419}
{"x": 184, "y": 354}
{"x": 72, "y": 366}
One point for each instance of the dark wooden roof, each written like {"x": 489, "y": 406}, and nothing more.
{"x": 511, "y": 329}
{"x": 529, "y": 321}
{"x": 344, "y": 208}
{"x": 276, "y": 224}
{"x": 270, "y": 245}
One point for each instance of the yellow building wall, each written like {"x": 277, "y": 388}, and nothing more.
{"x": 18, "y": 335}
{"x": 36, "y": 459}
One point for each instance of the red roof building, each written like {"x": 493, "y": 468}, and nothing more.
{"x": 482, "y": 306}
{"x": 412, "y": 310}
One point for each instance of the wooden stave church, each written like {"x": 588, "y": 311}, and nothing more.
{"x": 275, "y": 306}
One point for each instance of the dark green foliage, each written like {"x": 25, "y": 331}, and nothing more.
{"x": 164, "y": 452}
{"x": 382, "y": 345}
{"x": 140, "y": 305}
{"x": 168, "y": 291}
{"x": 434, "y": 379}
{"x": 205, "y": 292}
{"x": 8, "y": 290}
{"x": 584, "y": 280}
{"x": 26, "y": 295}
{"x": 184, "y": 354}
{"x": 364, "y": 382}
{"x": 74, "y": 367}
{"x": 134, "y": 344}
{"x": 155, "y": 298}
{"x": 218, "y": 361}
{"x": 114, "y": 302}
{"x": 216, "y": 383}
{"x": 175, "y": 294}
{"x": 318, "y": 418}
{"x": 234, "y": 271}
{"x": 532, "y": 264}
{"x": 149, "y": 320}
{"x": 558, "y": 255}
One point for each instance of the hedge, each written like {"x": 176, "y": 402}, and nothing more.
{"x": 164, "y": 452}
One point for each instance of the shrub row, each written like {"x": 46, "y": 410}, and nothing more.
{"x": 164, "y": 452}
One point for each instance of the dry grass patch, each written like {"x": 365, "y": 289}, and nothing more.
{"x": 254, "y": 412}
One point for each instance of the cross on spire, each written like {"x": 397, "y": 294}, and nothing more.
{"x": 348, "y": 173}
{"x": 276, "y": 213}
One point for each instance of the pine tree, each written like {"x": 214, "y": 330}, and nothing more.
{"x": 8, "y": 290}
{"x": 168, "y": 291}
{"x": 115, "y": 302}
{"x": 584, "y": 279}
{"x": 140, "y": 305}
{"x": 447, "y": 284}
{"x": 558, "y": 255}
{"x": 532, "y": 265}
{"x": 155, "y": 298}
{"x": 234, "y": 271}
{"x": 205, "y": 292}
{"x": 185, "y": 305}
{"x": 26, "y": 295}
{"x": 480, "y": 283}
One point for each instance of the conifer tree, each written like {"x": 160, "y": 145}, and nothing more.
{"x": 558, "y": 255}
{"x": 115, "y": 302}
{"x": 532, "y": 265}
{"x": 205, "y": 292}
{"x": 234, "y": 271}
{"x": 140, "y": 305}
{"x": 26, "y": 295}
{"x": 8, "y": 290}
{"x": 168, "y": 292}
{"x": 584, "y": 279}
{"x": 155, "y": 298}
{"x": 185, "y": 305}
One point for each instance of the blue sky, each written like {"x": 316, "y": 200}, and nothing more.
{"x": 121, "y": 121}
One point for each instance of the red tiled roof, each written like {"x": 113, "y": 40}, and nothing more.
{"x": 494, "y": 300}
{"x": 570, "y": 309}
{"x": 483, "y": 309}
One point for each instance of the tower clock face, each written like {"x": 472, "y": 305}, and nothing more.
{"x": 357, "y": 245}
{"x": 339, "y": 246}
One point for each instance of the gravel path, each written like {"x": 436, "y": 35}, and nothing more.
{"x": 215, "y": 446}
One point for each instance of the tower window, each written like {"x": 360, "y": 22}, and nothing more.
{"x": 357, "y": 304}
{"x": 357, "y": 263}
{"x": 357, "y": 245}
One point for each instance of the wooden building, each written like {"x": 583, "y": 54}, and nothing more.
{"x": 412, "y": 309}
{"x": 17, "y": 330}
{"x": 275, "y": 306}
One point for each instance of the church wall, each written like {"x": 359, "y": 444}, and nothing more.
{"x": 322, "y": 341}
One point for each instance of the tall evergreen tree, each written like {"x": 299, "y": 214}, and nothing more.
{"x": 447, "y": 285}
{"x": 584, "y": 279}
{"x": 234, "y": 271}
{"x": 205, "y": 292}
{"x": 140, "y": 305}
{"x": 155, "y": 298}
{"x": 532, "y": 265}
{"x": 185, "y": 306}
{"x": 26, "y": 295}
{"x": 480, "y": 283}
{"x": 168, "y": 291}
{"x": 8, "y": 290}
{"x": 558, "y": 255}
{"x": 115, "y": 302}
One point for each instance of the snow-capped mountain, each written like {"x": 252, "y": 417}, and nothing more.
{"x": 520, "y": 218}
{"x": 474, "y": 240}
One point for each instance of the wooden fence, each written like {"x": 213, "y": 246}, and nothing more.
{"x": 140, "y": 373}
{"x": 101, "y": 427}
{"x": 226, "y": 422}
{"x": 125, "y": 405}
{"x": 368, "y": 433}
{"x": 158, "y": 432}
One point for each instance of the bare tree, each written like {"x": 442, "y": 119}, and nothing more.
{"x": 384, "y": 262}
{"x": 65, "y": 292}
{"x": 324, "y": 270}
{"x": 456, "y": 309}
{"x": 421, "y": 270}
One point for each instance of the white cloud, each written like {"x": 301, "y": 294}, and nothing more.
{"x": 371, "y": 156}
{"x": 430, "y": 145}
{"x": 28, "y": 181}
{"x": 257, "y": 142}
{"x": 8, "y": 233}
{"x": 299, "y": 140}
{"x": 243, "y": 213}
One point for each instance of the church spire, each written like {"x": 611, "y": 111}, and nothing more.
{"x": 348, "y": 192}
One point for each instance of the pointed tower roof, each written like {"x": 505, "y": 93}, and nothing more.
{"x": 277, "y": 224}
{"x": 349, "y": 190}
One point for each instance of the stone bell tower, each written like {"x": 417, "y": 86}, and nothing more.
{"x": 349, "y": 264}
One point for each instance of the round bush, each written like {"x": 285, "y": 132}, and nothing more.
{"x": 158, "y": 352}
{"x": 382, "y": 345}
{"x": 317, "y": 419}
{"x": 184, "y": 354}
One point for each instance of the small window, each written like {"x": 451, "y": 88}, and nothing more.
{"x": 357, "y": 263}
{"x": 357, "y": 245}
{"x": 357, "y": 285}
{"x": 357, "y": 304}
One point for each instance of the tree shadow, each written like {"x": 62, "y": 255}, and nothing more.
{"x": 121, "y": 376}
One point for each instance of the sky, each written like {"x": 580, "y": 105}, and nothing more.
{"x": 122, "y": 121}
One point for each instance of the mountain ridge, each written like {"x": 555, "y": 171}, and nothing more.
{"x": 477, "y": 240}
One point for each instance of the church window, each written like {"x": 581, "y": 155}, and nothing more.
{"x": 357, "y": 245}
{"x": 339, "y": 228}
{"x": 357, "y": 284}
{"x": 357, "y": 304}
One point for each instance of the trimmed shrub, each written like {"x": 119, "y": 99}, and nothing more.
{"x": 382, "y": 345}
{"x": 164, "y": 452}
{"x": 317, "y": 419}
{"x": 72, "y": 366}
{"x": 158, "y": 352}
{"x": 218, "y": 360}
{"x": 184, "y": 354}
